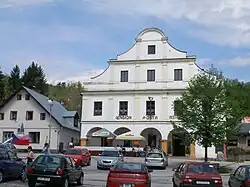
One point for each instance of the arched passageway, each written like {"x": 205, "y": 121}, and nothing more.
{"x": 178, "y": 142}
{"x": 122, "y": 143}
{"x": 153, "y": 137}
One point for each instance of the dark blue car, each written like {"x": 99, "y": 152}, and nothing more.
{"x": 10, "y": 165}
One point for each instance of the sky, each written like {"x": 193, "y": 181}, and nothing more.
{"x": 73, "y": 40}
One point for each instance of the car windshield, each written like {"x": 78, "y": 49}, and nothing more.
{"x": 154, "y": 155}
{"x": 201, "y": 168}
{"x": 73, "y": 152}
{"x": 48, "y": 160}
{"x": 110, "y": 153}
{"x": 130, "y": 167}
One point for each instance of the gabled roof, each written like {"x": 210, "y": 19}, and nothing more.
{"x": 57, "y": 111}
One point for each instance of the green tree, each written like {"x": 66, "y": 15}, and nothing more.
{"x": 14, "y": 81}
{"x": 34, "y": 78}
{"x": 2, "y": 87}
{"x": 202, "y": 110}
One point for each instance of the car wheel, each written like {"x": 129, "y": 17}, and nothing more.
{"x": 89, "y": 162}
{"x": 229, "y": 184}
{"x": 23, "y": 175}
{"x": 80, "y": 180}
{"x": 1, "y": 176}
{"x": 65, "y": 183}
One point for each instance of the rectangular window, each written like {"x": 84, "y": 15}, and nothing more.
{"x": 27, "y": 97}
{"x": 34, "y": 137}
{"x": 150, "y": 108}
{"x": 19, "y": 97}
{"x": 151, "y": 49}
{"x": 123, "y": 108}
{"x": 76, "y": 122}
{"x": 42, "y": 116}
{"x": 178, "y": 75}
{"x": 151, "y": 75}
{"x": 29, "y": 115}
{"x": 97, "y": 108}
{"x": 177, "y": 105}
{"x": 13, "y": 115}
{"x": 124, "y": 76}
{"x": 1, "y": 116}
{"x": 7, "y": 135}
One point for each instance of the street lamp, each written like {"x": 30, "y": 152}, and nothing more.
{"x": 50, "y": 110}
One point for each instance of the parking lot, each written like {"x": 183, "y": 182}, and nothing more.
{"x": 94, "y": 177}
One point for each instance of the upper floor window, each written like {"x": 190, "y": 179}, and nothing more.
{"x": 75, "y": 122}
{"x": 151, "y": 49}
{"x": 177, "y": 105}
{"x": 19, "y": 97}
{"x": 151, "y": 75}
{"x": 27, "y": 97}
{"x": 178, "y": 75}
{"x": 124, "y": 76}
{"x": 29, "y": 115}
{"x": 42, "y": 116}
{"x": 123, "y": 108}
{"x": 7, "y": 135}
{"x": 13, "y": 115}
{"x": 97, "y": 108}
{"x": 150, "y": 108}
{"x": 1, "y": 116}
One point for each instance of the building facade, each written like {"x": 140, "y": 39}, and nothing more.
{"x": 28, "y": 112}
{"x": 136, "y": 94}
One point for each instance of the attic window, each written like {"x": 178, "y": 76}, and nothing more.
{"x": 19, "y": 97}
{"x": 151, "y": 49}
{"x": 27, "y": 97}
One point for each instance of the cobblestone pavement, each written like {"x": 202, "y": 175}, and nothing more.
{"x": 97, "y": 178}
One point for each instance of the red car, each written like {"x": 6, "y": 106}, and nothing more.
{"x": 191, "y": 174}
{"x": 129, "y": 174}
{"x": 82, "y": 156}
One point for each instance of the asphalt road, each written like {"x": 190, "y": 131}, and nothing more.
{"x": 97, "y": 178}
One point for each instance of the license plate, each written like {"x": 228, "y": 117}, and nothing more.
{"x": 43, "y": 179}
{"x": 202, "y": 182}
{"x": 126, "y": 185}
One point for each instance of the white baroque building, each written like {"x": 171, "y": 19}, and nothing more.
{"x": 135, "y": 95}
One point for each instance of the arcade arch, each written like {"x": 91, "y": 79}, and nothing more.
{"x": 153, "y": 137}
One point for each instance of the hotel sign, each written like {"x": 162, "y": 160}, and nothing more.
{"x": 123, "y": 117}
{"x": 150, "y": 117}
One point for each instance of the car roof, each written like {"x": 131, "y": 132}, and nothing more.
{"x": 195, "y": 162}
{"x": 111, "y": 149}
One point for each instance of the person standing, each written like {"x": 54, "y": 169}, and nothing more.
{"x": 30, "y": 156}
{"x": 46, "y": 150}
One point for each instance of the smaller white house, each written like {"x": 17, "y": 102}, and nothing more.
{"x": 28, "y": 112}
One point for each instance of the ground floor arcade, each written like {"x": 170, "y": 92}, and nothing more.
{"x": 175, "y": 142}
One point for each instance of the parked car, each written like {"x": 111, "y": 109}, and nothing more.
{"x": 10, "y": 165}
{"x": 156, "y": 160}
{"x": 9, "y": 146}
{"x": 82, "y": 156}
{"x": 54, "y": 170}
{"x": 108, "y": 158}
{"x": 196, "y": 174}
{"x": 240, "y": 177}
{"x": 128, "y": 174}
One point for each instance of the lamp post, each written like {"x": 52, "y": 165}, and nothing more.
{"x": 50, "y": 110}
{"x": 150, "y": 108}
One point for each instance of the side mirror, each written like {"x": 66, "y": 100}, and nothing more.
{"x": 174, "y": 170}
{"x": 150, "y": 170}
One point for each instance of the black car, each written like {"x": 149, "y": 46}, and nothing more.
{"x": 54, "y": 169}
{"x": 241, "y": 177}
{"x": 11, "y": 165}
{"x": 9, "y": 147}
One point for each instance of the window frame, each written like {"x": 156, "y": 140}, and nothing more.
{"x": 150, "y": 75}
{"x": 2, "y": 116}
{"x": 19, "y": 97}
{"x": 123, "y": 110}
{"x": 42, "y": 116}
{"x": 98, "y": 109}
{"x": 8, "y": 133}
{"x": 178, "y": 74}
{"x": 37, "y": 136}
{"x": 124, "y": 76}
{"x": 150, "y": 111}
{"x": 27, "y": 115}
{"x": 12, "y": 115}
{"x": 151, "y": 49}
{"x": 27, "y": 97}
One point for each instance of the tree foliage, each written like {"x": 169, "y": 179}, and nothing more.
{"x": 2, "y": 87}
{"x": 34, "y": 78}
{"x": 206, "y": 110}
{"x": 14, "y": 80}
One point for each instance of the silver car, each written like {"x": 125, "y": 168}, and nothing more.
{"x": 156, "y": 160}
{"x": 108, "y": 159}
